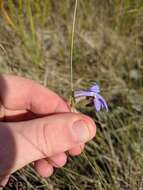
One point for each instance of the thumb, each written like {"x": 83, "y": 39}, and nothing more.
{"x": 47, "y": 136}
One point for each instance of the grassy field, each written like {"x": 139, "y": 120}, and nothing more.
{"x": 35, "y": 40}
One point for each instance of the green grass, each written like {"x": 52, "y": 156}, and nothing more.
{"x": 108, "y": 49}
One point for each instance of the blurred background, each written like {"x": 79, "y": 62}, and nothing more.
{"x": 35, "y": 41}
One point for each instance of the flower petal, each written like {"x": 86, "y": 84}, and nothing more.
{"x": 95, "y": 88}
{"x": 97, "y": 104}
{"x": 83, "y": 93}
{"x": 103, "y": 102}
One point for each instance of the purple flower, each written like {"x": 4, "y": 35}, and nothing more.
{"x": 95, "y": 98}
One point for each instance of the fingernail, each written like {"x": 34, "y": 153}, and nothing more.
{"x": 81, "y": 131}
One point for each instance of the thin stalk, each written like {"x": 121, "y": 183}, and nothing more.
{"x": 72, "y": 47}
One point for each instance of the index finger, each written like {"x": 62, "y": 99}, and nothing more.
{"x": 17, "y": 93}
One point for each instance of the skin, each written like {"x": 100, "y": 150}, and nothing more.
{"x": 37, "y": 127}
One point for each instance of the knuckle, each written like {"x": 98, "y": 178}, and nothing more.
{"x": 46, "y": 145}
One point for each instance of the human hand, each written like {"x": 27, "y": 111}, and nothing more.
{"x": 37, "y": 126}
